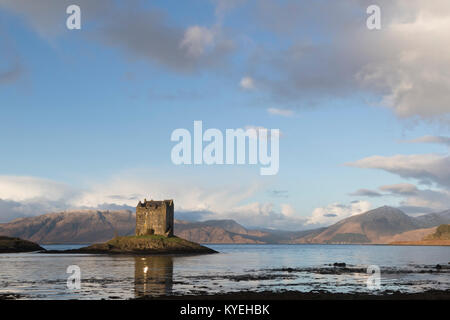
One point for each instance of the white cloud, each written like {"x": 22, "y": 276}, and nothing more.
{"x": 430, "y": 169}
{"x": 139, "y": 31}
{"x": 197, "y": 40}
{"x": 28, "y": 196}
{"x": 366, "y": 193}
{"x": 427, "y": 168}
{"x": 426, "y": 201}
{"x": 264, "y": 215}
{"x": 399, "y": 65}
{"x": 400, "y": 188}
{"x": 281, "y": 112}
{"x": 320, "y": 57}
{"x": 430, "y": 139}
{"x": 247, "y": 83}
{"x": 410, "y": 71}
{"x": 334, "y": 212}
{"x": 22, "y": 188}
{"x": 219, "y": 201}
{"x": 287, "y": 210}
{"x": 126, "y": 189}
{"x": 419, "y": 200}
{"x": 191, "y": 194}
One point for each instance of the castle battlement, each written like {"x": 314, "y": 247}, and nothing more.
{"x": 154, "y": 217}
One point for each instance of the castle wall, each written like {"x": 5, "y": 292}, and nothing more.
{"x": 155, "y": 217}
{"x": 169, "y": 220}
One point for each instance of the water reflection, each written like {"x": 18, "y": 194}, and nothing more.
{"x": 153, "y": 275}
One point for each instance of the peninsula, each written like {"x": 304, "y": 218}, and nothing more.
{"x": 15, "y": 245}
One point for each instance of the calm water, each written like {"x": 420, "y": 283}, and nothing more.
{"x": 237, "y": 267}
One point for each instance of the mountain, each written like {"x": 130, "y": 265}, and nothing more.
{"x": 433, "y": 219}
{"x": 381, "y": 225}
{"x": 84, "y": 226}
{"x": 229, "y": 231}
{"x": 217, "y": 231}
{"x": 88, "y": 226}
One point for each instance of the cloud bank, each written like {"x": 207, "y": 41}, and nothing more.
{"x": 29, "y": 196}
{"x": 314, "y": 57}
{"x": 429, "y": 170}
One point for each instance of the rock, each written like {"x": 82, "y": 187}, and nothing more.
{"x": 15, "y": 245}
{"x": 340, "y": 264}
{"x": 438, "y": 266}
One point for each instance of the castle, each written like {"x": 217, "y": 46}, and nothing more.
{"x": 154, "y": 217}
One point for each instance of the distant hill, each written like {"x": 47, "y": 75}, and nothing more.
{"x": 229, "y": 231}
{"x": 217, "y": 231}
{"x": 88, "y": 226}
{"x": 442, "y": 233}
{"x": 440, "y": 237}
{"x": 84, "y": 226}
{"x": 433, "y": 219}
{"x": 382, "y": 225}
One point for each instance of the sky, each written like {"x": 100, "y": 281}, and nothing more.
{"x": 87, "y": 115}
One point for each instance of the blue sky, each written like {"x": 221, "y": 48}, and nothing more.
{"x": 92, "y": 110}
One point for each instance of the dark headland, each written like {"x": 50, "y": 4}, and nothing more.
{"x": 15, "y": 245}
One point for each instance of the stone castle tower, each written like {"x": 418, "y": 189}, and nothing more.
{"x": 154, "y": 217}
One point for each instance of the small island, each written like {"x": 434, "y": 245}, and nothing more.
{"x": 154, "y": 235}
{"x": 17, "y": 245}
{"x": 150, "y": 244}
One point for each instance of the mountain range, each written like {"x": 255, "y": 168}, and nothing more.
{"x": 378, "y": 226}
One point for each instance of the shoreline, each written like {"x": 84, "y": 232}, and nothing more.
{"x": 425, "y": 243}
{"x": 288, "y": 295}
{"x": 312, "y": 295}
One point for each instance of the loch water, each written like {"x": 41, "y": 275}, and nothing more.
{"x": 237, "y": 267}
